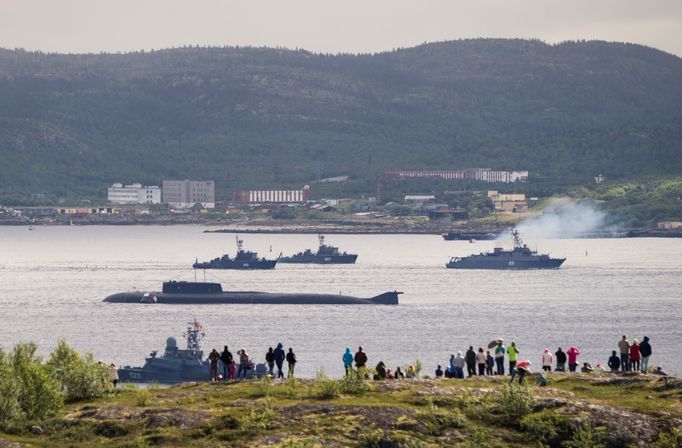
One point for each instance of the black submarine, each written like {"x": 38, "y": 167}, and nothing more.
{"x": 190, "y": 293}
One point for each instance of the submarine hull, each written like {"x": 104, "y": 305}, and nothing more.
{"x": 250, "y": 297}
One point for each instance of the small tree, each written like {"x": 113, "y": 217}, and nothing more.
{"x": 81, "y": 378}
{"x": 39, "y": 392}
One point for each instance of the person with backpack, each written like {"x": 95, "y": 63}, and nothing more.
{"x": 291, "y": 361}
{"x": 226, "y": 359}
{"x": 279, "y": 359}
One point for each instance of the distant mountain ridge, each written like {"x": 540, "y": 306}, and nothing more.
{"x": 263, "y": 117}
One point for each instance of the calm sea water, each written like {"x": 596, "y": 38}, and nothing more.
{"x": 54, "y": 279}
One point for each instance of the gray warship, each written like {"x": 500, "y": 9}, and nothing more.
{"x": 325, "y": 254}
{"x": 243, "y": 260}
{"x": 175, "y": 365}
{"x": 520, "y": 257}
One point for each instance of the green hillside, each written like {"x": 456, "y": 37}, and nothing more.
{"x": 262, "y": 117}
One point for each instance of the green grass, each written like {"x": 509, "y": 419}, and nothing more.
{"x": 424, "y": 413}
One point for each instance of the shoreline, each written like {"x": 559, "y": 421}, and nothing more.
{"x": 338, "y": 227}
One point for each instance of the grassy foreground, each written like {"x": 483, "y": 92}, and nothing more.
{"x": 572, "y": 411}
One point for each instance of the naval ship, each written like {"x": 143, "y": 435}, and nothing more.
{"x": 325, "y": 254}
{"x": 520, "y": 257}
{"x": 199, "y": 293}
{"x": 175, "y": 365}
{"x": 243, "y": 260}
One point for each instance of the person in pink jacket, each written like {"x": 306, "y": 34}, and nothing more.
{"x": 572, "y": 353}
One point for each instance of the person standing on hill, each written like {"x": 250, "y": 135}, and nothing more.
{"x": 470, "y": 358}
{"x": 214, "y": 357}
{"x": 614, "y": 362}
{"x": 634, "y": 356}
{"x": 499, "y": 358}
{"x": 226, "y": 359}
{"x": 348, "y": 361}
{"x": 624, "y": 347}
{"x": 279, "y": 359}
{"x": 547, "y": 360}
{"x": 361, "y": 361}
{"x": 489, "y": 363}
{"x": 513, "y": 353}
{"x": 645, "y": 351}
{"x": 291, "y": 361}
{"x": 572, "y": 353}
{"x": 480, "y": 361}
{"x": 560, "y": 360}
{"x": 270, "y": 360}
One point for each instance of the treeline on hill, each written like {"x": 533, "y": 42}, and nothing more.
{"x": 264, "y": 118}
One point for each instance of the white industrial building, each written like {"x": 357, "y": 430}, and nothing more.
{"x": 134, "y": 194}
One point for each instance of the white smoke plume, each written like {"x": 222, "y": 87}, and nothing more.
{"x": 566, "y": 218}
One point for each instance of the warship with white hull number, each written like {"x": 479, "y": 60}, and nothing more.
{"x": 243, "y": 260}
{"x": 325, "y": 254}
{"x": 520, "y": 257}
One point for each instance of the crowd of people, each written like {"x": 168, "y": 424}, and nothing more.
{"x": 243, "y": 366}
{"x": 634, "y": 357}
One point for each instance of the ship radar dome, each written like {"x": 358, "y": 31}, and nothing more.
{"x": 171, "y": 344}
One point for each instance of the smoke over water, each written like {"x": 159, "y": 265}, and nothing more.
{"x": 565, "y": 218}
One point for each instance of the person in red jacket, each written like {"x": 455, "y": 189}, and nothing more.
{"x": 572, "y": 353}
{"x": 635, "y": 356}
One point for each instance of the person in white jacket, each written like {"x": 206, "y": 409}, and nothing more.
{"x": 547, "y": 360}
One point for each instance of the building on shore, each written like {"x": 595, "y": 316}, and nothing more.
{"x": 477, "y": 174}
{"x": 188, "y": 193}
{"x": 515, "y": 203}
{"x": 134, "y": 194}
{"x": 272, "y": 196}
{"x": 669, "y": 225}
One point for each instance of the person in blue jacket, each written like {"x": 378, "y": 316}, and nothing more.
{"x": 348, "y": 361}
{"x": 279, "y": 359}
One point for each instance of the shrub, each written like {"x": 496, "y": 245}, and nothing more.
{"x": 418, "y": 366}
{"x": 142, "y": 397}
{"x": 39, "y": 393}
{"x": 9, "y": 394}
{"x": 292, "y": 388}
{"x": 293, "y": 443}
{"x": 583, "y": 437}
{"x": 354, "y": 385}
{"x": 672, "y": 438}
{"x": 259, "y": 419}
{"x": 438, "y": 419}
{"x": 81, "y": 378}
{"x": 325, "y": 388}
{"x": 516, "y": 400}
{"x": 547, "y": 428}
{"x": 263, "y": 387}
{"x": 370, "y": 438}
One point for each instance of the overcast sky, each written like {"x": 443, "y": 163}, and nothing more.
{"x": 328, "y": 26}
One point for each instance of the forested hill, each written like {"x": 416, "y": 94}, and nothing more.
{"x": 262, "y": 117}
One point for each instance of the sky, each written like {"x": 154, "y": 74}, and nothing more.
{"x": 357, "y": 26}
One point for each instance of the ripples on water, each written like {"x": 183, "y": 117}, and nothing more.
{"x": 54, "y": 279}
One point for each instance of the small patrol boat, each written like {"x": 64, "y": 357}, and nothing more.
{"x": 175, "y": 365}
{"x": 520, "y": 257}
{"x": 325, "y": 254}
{"x": 243, "y": 260}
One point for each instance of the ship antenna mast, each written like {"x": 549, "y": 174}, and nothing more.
{"x": 239, "y": 243}
{"x": 320, "y": 238}
{"x": 516, "y": 238}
